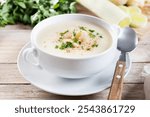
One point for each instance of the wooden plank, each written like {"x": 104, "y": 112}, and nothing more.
{"x": 130, "y": 91}
{"x": 16, "y": 27}
{"x": 11, "y": 43}
{"x": 135, "y": 74}
{"x": 141, "y": 53}
{"x": 9, "y": 74}
{"x": 133, "y": 91}
{"x": 143, "y": 32}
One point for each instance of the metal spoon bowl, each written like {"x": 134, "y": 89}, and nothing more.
{"x": 127, "y": 42}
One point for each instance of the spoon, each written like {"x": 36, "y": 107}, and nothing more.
{"x": 127, "y": 42}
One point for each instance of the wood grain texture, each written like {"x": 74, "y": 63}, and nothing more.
{"x": 143, "y": 32}
{"x": 133, "y": 91}
{"x": 117, "y": 83}
{"x": 135, "y": 74}
{"x": 11, "y": 42}
{"x": 16, "y": 27}
{"x": 9, "y": 74}
{"x": 130, "y": 91}
{"x": 141, "y": 53}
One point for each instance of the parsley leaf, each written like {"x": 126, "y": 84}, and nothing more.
{"x": 33, "y": 11}
{"x": 66, "y": 45}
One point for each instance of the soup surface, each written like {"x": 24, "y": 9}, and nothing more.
{"x": 74, "y": 39}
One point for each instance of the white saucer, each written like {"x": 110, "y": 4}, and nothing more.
{"x": 70, "y": 87}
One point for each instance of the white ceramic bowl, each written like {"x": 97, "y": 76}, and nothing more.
{"x": 81, "y": 67}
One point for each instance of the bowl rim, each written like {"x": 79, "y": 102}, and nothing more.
{"x": 104, "y": 24}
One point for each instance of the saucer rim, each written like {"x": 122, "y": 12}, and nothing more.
{"x": 106, "y": 85}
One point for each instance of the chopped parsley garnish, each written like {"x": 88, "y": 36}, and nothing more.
{"x": 66, "y": 45}
{"x": 92, "y": 35}
{"x": 78, "y": 39}
{"x": 60, "y": 38}
{"x": 97, "y": 33}
{"x": 91, "y": 30}
{"x": 95, "y": 45}
{"x": 101, "y": 36}
{"x": 63, "y": 46}
{"x": 79, "y": 42}
{"x": 75, "y": 40}
{"x": 83, "y": 28}
{"x": 88, "y": 49}
{"x": 56, "y": 46}
{"x": 74, "y": 33}
{"x": 63, "y": 33}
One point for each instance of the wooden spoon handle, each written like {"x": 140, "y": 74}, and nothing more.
{"x": 117, "y": 83}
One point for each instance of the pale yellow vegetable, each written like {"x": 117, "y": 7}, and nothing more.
{"x": 138, "y": 20}
{"x": 134, "y": 9}
{"x": 119, "y": 2}
{"x": 125, "y": 9}
{"x": 125, "y": 22}
{"x": 136, "y": 2}
{"x": 136, "y": 16}
{"x": 107, "y": 11}
{"x": 131, "y": 9}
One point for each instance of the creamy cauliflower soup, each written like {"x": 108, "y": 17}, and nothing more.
{"x": 75, "y": 39}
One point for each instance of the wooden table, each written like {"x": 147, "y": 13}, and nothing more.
{"x": 14, "y": 86}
